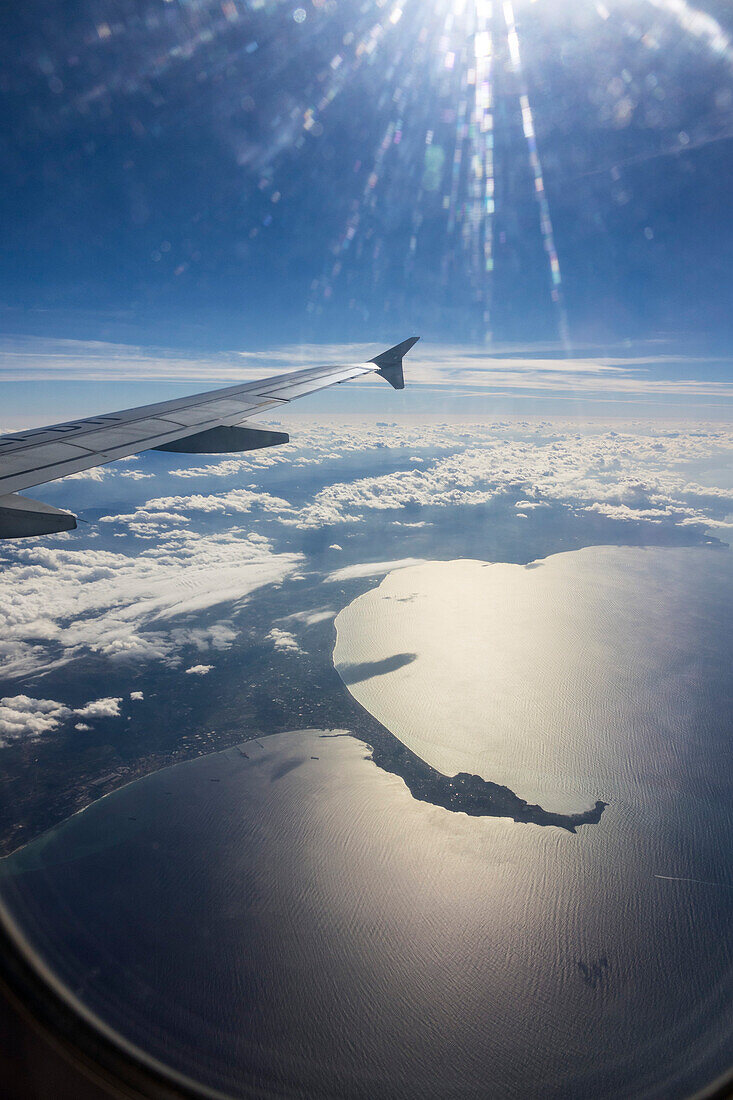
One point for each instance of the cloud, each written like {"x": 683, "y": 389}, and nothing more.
{"x": 199, "y": 670}
{"x": 310, "y": 618}
{"x": 215, "y": 636}
{"x": 534, "y": 458}
{"x": 58, "y": 603}
{"x": 161, "y": 512}
{"x": 371, "y": 569}
{"x": 631, "y": 468}
{"x": 283, "y": 639}
{"x": 22, "y": 716}
{"x": 97, "y": 473}
{"x": 100, "y": 708}
{"x": 509, "y": 369}
{"x": 136, "y": 695}
{"x": 82, "y": 726}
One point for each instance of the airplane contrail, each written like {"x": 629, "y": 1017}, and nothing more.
{"x": 699, "y": 881}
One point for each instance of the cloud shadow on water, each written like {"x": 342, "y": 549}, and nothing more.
{"x": 283, "y": 769}
{"x": 356, "y": 673}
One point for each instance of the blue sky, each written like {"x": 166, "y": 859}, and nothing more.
{"x": 547, "y": 178}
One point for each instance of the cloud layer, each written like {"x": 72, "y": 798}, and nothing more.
{"x": 648, "y": 372}
{"x": 57, "y": 603}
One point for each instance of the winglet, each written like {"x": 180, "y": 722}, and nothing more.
{"x": 390, "y": 362}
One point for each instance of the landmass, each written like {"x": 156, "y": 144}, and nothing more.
{"x": 470, "y": 794}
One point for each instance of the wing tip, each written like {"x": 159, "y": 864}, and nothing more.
{"x": 389, "y": 362}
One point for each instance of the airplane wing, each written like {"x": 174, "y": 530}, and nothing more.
{"x": 206, "y": 423}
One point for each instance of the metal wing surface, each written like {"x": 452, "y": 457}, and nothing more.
{"x": 205, "y": 423}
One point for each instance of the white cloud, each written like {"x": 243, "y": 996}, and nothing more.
{"x": 509, "y": 369}
{"x": 335, "y": 546}
{"x": 309, "y": 618}
{"x": 136, "y": 695}
{"x": 23, "y": 716}
{"x": 371, "y": 569}
{"x": 82, "y": 726}
{"x": 57, "y": 604}
{"x": 199, "y": 670}
{"x": 97, "y": 473}
{"x": 636, "y": 467}
{"x": 155, "y": 515}
{"x": 216, "y": 636}
{"x": 100, "y": 708}
{"x": 283, "y": 639}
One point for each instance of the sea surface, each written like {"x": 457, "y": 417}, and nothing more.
{"x": 284, "y": 915}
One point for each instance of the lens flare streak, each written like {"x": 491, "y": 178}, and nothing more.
{"x": 456, "y": 144}
{"x": 548, "y": 236}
